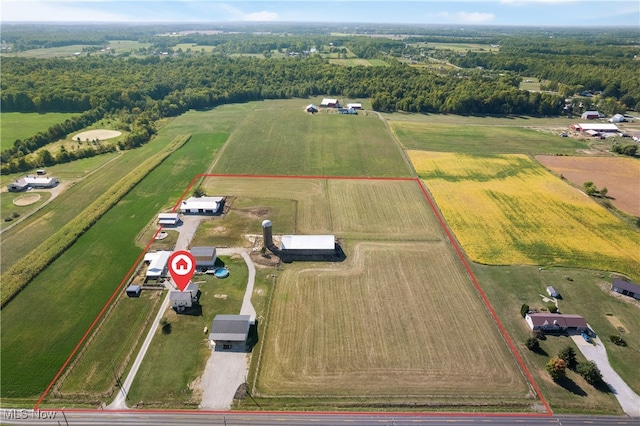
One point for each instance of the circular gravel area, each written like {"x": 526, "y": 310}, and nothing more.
{"x": 25, "y": 200}
{"x": 100, "y": 134}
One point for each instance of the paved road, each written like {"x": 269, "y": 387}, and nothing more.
{"x": 628, "y": 399}
{"x": 134, "y": 418}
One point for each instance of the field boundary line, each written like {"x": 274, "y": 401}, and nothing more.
{"x": 483, "y": 296}
{"x": 449, "y": 236}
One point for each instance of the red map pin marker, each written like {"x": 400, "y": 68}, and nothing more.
{"x": 182, "y": 265}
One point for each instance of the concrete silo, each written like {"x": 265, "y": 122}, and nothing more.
{"x": 267, "y": 233}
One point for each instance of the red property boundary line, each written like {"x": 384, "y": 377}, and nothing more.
{"x": 449, "y": 235}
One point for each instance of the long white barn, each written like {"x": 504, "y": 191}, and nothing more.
{"x": 201, "y": 205}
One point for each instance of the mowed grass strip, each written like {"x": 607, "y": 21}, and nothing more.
{"x": 74, "y": 288}
{"x": 21, "y": 125}
{"x": 507, "y": 209}
{"x": 395, "y": 319}
{"x": 481, "y": 139}
{"x": 292, "y": 142}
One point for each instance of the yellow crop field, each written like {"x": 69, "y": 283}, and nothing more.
{"x": 507, "y": 209}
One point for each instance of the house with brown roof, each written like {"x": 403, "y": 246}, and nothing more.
{"x": 556, "y": 322}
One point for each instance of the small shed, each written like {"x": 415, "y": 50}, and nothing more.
{"x": 311, "y": 108}
{"x": 230, "y": 332}
{"x": 626, "y": 288}
{"x": 134, "y": 290}
{"x": 551, "y": 291}
{"x": 180, "y": 300}
{"x": 355, "y": 105}
{"x": 591, "y": 115}
{"x": 168, "y": 219}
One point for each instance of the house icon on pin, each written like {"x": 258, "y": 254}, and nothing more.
{"x": 182, "y": 265}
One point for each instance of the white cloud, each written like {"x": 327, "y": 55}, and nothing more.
{"x": 475, "y": 17}
{"x": 261, "y": 16}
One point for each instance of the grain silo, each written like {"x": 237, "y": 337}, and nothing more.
{"x": 267, "y": 233}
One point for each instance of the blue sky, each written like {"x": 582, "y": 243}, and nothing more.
{"x": 491, "y": 12}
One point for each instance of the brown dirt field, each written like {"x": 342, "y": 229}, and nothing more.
{"x": 25, "y": 200}
{"x": 621, "y": 176}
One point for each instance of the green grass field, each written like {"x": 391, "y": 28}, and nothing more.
{"x": 68, "y": 171}
{"x": 93, "y": 375}
{"x": 368, "y": 328}
{"x": 53, "y": 52}
{"x": 72, "y": 290}
{"x": 586, "y": 293}
{"x": 166, "y": 376}
{"x": 322, "y": 144}
{"x": 245, "y": 217}
{"x": 351, "y": 62}
{"x": 20, "y": 125}
{"x": 481, "y": 140}
{"x": 15, "y": 212}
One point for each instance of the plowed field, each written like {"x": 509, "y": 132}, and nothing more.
{"x": 621, "y": 176}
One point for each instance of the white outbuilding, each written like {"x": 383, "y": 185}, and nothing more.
{"x": 618, "y": 118}
{"x": 202, "y": 205}
{"x": 157, "y": 264}
{"x": 168, "y": 219}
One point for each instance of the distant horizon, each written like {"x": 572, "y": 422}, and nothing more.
{"x": 276, "y": 23}
{"x": 498, "y": 13}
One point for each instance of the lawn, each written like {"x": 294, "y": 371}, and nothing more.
{"x": 34, "y": 350}
{"x": 322, "y": 144}
{"x": 176, "y": 359}
{"x": 245, "y": 217}
{"x": 482, "y": 139}
{"x": 507, "y": 209}
{"x": 21, "y": 125}
{"x": 92, "y": 377}
{"x": 584, "y": 292}
{"x": 15, "y": 212}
